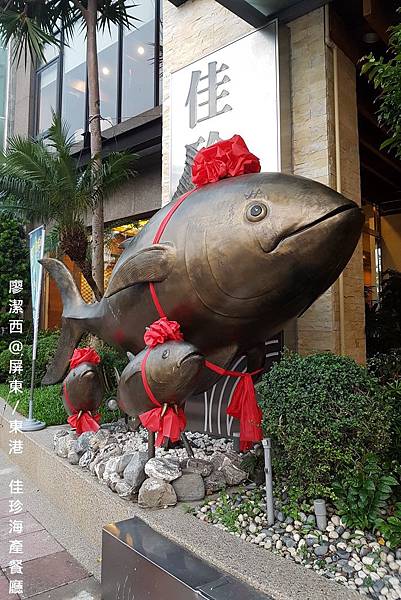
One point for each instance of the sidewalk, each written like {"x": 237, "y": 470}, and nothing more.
{"x": 50, "y": 571}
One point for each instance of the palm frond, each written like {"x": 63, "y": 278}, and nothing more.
{"x": 115, "y": 12}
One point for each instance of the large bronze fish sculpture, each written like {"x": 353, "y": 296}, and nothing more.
{"x": 237, "y": 260}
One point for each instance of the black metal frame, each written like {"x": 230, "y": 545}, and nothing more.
{"x": 59, "y": 60}
{"x": 256, "y": 18}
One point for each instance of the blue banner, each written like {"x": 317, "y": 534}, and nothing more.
{"x": 36, "y": 250}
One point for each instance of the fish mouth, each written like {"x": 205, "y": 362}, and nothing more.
{"x": 345, "y": 208}
{"x": 191, "y": 356}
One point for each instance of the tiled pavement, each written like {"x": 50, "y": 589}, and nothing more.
{"x": 49, "y": 571}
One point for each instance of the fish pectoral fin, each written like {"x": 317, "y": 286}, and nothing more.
{"x": 153, "y": 263}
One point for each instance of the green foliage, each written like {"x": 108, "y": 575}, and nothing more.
{"x": 47, "y": 344}
{"x": 48, "y": 405}
{"x": 34, "y": 25}
{"x": 111, "y": 359}
{"x": 229, "y": 507}
{"x": 323, "y": 413}
{"x": 253, "y": 463}
{"x": 385, "y": 74}
{"x": 391, "y": 527}
{"x": 14, "y": 264}
{"x": 386, "y": 367}
{"x": 361, "y": 498}
{"x": 383, "y": 319}
{"x": 41, "y": 181}
{"x": 393, "y": 394}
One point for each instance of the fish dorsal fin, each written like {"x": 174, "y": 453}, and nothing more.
{"x": 152, "y": 263}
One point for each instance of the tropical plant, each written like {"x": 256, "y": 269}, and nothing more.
{"x": 323, "y": 412}
{"x": 31, "y": 26}
{"x": 361, "y": 499}
{"x": 391, "y": 527}
{"x": 386, "y": 366}
{"x": 40, "y": 181}
{"x": 385, "y": 74}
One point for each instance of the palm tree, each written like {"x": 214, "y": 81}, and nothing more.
{"x": 40, "y": 181}
{"x": 33, "y": 24}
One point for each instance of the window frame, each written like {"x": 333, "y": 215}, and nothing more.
{"x": 59, "y": 60}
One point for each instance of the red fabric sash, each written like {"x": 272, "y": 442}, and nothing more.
{"x": 243, "y": 404}
{"x": 165, "y": 420}
{"x": 81, "y": 420}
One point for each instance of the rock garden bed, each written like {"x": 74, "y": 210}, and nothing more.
{"x": 119, "y": 459}
{"x": 358, "y": 559}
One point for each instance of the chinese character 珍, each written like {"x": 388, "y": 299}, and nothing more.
{"x": 211, "y": 87}
{"x": 15, "y": 507}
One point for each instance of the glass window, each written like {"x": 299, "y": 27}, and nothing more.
{"x": 107, "y": 46}
{"x": 139, "y": 62}
{"x": 127, "y": 74}
{"x": 73, "y": 101}
{"x": 47, "y": 84}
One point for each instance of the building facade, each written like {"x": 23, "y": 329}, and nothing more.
{"x": 283, "y": 74}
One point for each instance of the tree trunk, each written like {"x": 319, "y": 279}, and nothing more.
{"x": 86, "y": 270}
{"x": 96, "y": 143}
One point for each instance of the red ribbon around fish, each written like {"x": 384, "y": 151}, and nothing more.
{"x": 81, "y": 420}
{"x": 228, "y": 158}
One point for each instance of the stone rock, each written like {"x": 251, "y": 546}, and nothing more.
{"x": 134, "y": 473}
{"x": 197, "y": 465}
{"x": 232, "y": 474}
{"x": 123, "y": 462}
{"x": 156, "y": 493}
{"x": 85, "y": 459}
{"x": 112, "y": 480}
{"x": 82, "y": 444}
{"x": 64, "y": 444}
{"x": 99, "y": 469}
{"x": 73, "y": 458}
{"x": 110, "y": 468}
{"x": 189, "y": 487}
{"x": 101, "y": 439}
{"x": 214, "y": 482}
{"x": 163, "y": 468}
{"x": 217, "y": 458}
{"x": 124, "y": 490}
{"x": 321, "y": 550}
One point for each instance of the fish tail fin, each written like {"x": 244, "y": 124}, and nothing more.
{"x": 72, "y": 328}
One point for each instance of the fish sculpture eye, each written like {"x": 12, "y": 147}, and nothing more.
{"x": 166, "y": 354}
{"x": 256, "y": 212}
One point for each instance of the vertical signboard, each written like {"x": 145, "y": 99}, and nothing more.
{"x": 233, "y": 90}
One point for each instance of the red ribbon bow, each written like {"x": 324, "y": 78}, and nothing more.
{"x": 84, "y": 355}
{"x": 162, "y": 331}
{"x": 84, "y": 421}
{"x": 167, "y": 421}
{"x": 227, "y": 158}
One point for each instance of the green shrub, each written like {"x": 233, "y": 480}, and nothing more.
{"x": 14, "y": 264}
{"x": 323, "y": 413}
{"x": 48, "y": 405}
{"x": 360, "y": 500}
{"x": 391, "y": 528}
{"x": 47, "y": 344}
{"x": 386, "y": 367}
{"x": 111, "y": 358}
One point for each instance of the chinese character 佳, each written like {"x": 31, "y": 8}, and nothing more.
{"x": 209, "y": 94}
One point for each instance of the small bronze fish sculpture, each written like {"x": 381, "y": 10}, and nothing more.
{"x": 237, "y": 261}
{"x": 171, "y": 370}
{"x": 83, "y": 391}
